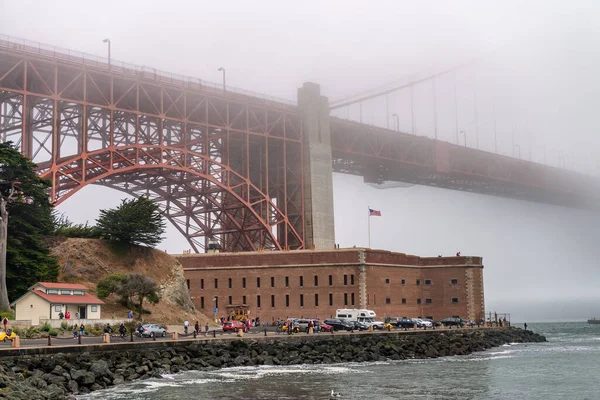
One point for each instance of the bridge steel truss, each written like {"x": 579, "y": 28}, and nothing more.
{"x": 380, "y": 155}
{"x": 220, "y": 165}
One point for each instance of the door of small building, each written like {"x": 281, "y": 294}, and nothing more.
{"x": 82, "y": 312}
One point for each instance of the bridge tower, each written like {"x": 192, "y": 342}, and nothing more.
{"x": 318, "y": 176}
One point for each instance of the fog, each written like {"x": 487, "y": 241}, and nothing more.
{"x": 531, "y": 65}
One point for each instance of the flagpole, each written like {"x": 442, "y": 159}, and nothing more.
{"x": 369, "y": 223}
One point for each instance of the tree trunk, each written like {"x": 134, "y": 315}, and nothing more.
{"x": 141, "y": 309}
{"x": 4, "y": 303}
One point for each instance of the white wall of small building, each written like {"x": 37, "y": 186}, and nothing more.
{"x": 32, "y": 307}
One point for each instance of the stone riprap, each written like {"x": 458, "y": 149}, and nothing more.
{"x": 80, "y": 370}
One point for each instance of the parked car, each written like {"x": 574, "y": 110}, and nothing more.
{"x": 452, "y": 321}
{"x": 377, "y": 324}
{"x": 302, "y": 324}
{"x": 404, "y": 323}
{"x": 151, "y": 330}
{"x": 360, "y": 326}
{"x": 434, "y": 323}
{"x": 8, "y": 335}
{"x": 339, "y": 325}
{"x": 234, "y": 326}
{"x": 423, "y": 323}
{"x": 323, "y": 327}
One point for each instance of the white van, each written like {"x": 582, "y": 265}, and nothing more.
{"x": 361, "y": 315}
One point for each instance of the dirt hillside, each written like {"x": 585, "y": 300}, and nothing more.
{"x": 86, "y": 261}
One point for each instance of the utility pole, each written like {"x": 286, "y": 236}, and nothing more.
{"x": 108, "y": 42}
{"x": 387, "y": 111}
{"x": 360, "y": 110}
{"x": 412, "y": 108}
{"x": 455, "y": 108}
{"x": 221, "y": 69}
{"x": 475, "y": 109}
{"x": 495, "y": 130}
{"x": 435, "y": 128}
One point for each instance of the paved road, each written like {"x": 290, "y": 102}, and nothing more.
{"x": 86, "y": 340}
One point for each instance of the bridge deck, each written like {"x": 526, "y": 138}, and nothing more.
{"x": 375, "y": 153}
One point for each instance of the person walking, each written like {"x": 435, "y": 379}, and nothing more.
{"x": 525, "y": 325}
{"x": 122, "y": 330}
{"x": 186, "y": 325}
{"x": 206, "y": 329}
{"x": 197, "y": 327}
{"x": 82, "y": 330}
{"x": 75, "y": 331}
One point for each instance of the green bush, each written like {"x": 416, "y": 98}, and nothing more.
{"x": 8, "y": 315}
{"x": 31, "y": 332}
{"x": 46, "y": 327}
{"x": 64, "y": 326}
{"x": 18, "y": 331}
{"x": 52, "y": 332}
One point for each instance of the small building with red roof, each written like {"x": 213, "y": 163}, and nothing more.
{"x": 51, "y": 300}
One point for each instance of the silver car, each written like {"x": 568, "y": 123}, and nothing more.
{"x": 151, "y": 330}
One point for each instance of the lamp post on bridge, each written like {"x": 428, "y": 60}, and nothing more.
{"x": 516, "y": 146}
{"x": 108, "y": 42}
{"x": 397, "y": 121}
{"x": 221, "y": 69}
{"x": 564, "y": 164}
{"x": 464, "y": 137}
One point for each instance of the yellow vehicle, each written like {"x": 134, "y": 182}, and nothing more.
{"x": 238, "y": 313}
{"x": 8, "y": 335}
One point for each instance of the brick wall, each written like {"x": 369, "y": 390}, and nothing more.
{"x": 439, "y": 295}
{"x": 281, "y": 309}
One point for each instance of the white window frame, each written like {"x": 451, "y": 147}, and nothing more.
{"x": 94, "y": 308}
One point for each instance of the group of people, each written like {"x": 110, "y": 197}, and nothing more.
{"x": 79, "y": 330}
{"x": 254, "y": 322}
{"x": 67, "y": 315}
{"x": 122, "y": 330}
{"x": 197, "y": 328}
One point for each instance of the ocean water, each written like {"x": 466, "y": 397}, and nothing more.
{"x": 566, "y": 367}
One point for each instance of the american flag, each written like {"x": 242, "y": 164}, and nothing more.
{"x": 374, "y": 213}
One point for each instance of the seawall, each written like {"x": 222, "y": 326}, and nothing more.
{"x": 56, "y": 373}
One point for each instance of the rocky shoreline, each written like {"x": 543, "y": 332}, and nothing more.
{"x": 61, "y": 375}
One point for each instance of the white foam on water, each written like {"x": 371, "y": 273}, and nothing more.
{"x": 493, "y": 353}
{"x": 250, "y": 373}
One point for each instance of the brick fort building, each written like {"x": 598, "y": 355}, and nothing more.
{"x": 314, "y": 283}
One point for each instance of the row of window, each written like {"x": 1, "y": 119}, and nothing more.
{"x": 427, "y": 301}
{"x": 316, "y": 300}
{"x": 287, "y": 281}
{"x": 65, "y": 291}
{"x": 348, "y": 300}
{"x": 427, "y": 281}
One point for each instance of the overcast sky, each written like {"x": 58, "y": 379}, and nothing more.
{"x": 535, "y": 78}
